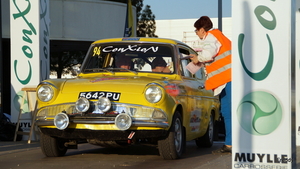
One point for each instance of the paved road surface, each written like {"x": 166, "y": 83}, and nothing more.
{"x": 20, "y": 155}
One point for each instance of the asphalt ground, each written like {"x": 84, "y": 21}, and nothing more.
{"x": 6, "y": 147}
{"x": 221, "y": 161}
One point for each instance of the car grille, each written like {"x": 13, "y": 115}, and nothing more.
{"x": 133, "y": 110}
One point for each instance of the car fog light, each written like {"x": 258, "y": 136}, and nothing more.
{"x": 123, "y": 121}
{"x": 61, "y": 121}
{"x": 82, "y": 104}
{"x": 104, "y": 104}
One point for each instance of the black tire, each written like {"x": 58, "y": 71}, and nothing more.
{"x": 173, "y": 146}
{"x": 208, "y": 139}
{"x": 52, "y": 147}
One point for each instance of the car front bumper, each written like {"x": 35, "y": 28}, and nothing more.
{"x": 104, "y": 135}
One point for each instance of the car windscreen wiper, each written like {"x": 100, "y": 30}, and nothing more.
{"x": 123, "y": 69}
{"x": 98, "y": 70}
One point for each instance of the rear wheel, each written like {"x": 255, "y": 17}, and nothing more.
{"x": 208, "y": 138}
{"x": 172, "y": 147}
{"x": 52, "y": 147}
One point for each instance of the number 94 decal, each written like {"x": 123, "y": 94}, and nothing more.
{"x": 96, "y": 95}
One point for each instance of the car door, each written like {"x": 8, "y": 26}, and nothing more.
{"x": 206, "y": 97}
{"x": 194, "y": 103}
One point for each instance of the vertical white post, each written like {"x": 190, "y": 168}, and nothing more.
{"x": 29, "y": 30}
{"x": 263, "y": 63}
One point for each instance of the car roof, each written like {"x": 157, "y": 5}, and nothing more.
{"x": 140, "y": 39}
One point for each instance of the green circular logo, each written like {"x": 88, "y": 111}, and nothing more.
{"x": 259, "y": 113}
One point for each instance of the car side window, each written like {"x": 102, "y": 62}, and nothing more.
{"x": 184, "y": 60}
{"x": 200, "y": 74}
{"x": 184, "y": 71}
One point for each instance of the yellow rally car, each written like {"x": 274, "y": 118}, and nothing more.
{"x": 128, "y": 91}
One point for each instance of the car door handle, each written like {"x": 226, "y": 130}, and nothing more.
{"x": 201, "y": 87}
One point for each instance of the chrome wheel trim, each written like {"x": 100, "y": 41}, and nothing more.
{"x": 178, "y": 135}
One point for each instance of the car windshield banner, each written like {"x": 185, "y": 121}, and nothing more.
{"x": 98, "y": 49}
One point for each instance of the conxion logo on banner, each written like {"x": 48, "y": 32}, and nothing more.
{"x": 28, "y": 32}
{"x": 262, "y": 84}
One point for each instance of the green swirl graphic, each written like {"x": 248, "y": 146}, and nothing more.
{"x": 17, "y": 101}
{"x": 259, "y": 113}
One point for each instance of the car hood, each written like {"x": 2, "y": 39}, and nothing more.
{"x": 124, "y": 84}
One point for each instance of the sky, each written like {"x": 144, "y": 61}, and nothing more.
{"x": 187, "y": 9}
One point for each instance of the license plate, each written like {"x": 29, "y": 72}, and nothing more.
{"x": 96, "y": 95}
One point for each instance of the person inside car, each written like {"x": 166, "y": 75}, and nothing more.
{"x": 123, "y": 61}
{"x": 160, "y": 65}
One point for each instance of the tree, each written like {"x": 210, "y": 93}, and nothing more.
{"x": 145, "y": 19}
{"x": 62, "y": 62}
{"x": 146, "y": 23}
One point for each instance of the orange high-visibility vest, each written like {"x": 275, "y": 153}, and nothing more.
{"x": 219, "y": 70}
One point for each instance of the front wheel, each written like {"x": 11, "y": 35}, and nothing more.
{"x": 208, "y": 138}
{"x": 172, "y": 147}
{"x": 52, "y": 147}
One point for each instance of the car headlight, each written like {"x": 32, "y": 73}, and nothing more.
{"x": 82, "y": 104}
{"x": 153, "y": 94}
{"x": 45, "y": 93}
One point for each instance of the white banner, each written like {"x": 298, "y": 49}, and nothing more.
{"x": 262, "y": 45}
{"x": 29, "y": 31}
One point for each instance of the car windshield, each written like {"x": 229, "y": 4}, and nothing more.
{"x": 139, "y": 57}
